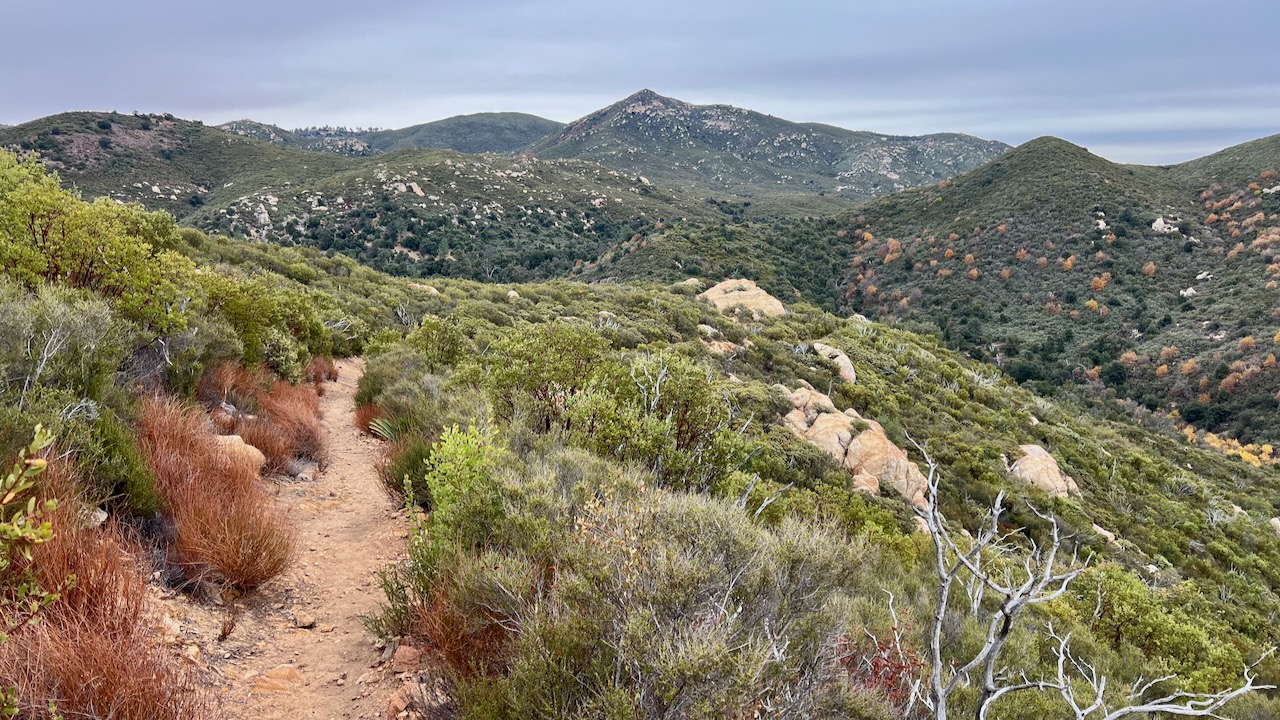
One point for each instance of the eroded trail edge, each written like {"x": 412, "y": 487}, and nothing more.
{"x": 298, "y": 648}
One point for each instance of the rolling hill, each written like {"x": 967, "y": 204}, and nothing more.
{"x": 504, "y": 133}
{"x": 414, "y": 212}
{"x": 1155, "y": 285}
{"x": 383, "y": 198}
{"x": 501, "y": 133}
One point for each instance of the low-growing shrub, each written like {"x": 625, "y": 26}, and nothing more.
{"x": 405, "y": 466}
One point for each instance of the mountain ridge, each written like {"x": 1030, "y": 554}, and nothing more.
{"x": 741, "y": 152}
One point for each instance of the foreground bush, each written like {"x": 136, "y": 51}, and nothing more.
{"x": 558, "y": 585}
{"x": 227, "y": 528}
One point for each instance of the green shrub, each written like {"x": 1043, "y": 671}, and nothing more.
{"x": 404, "y": 470}
{"x": 111, "y": 459}
{"x": 439, "y": 341}
{"x": 281, "y": 353}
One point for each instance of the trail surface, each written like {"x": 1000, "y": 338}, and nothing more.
{"x": 272, "y": 666}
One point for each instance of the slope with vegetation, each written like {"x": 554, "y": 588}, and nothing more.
{"x": 620, "y": 517}
{"x": 502, "y": 133}
{"x": 413, "y": 212}
{"x": 425, "y": 209}
{"x": 602, "y": 477}
{"x": 1151, "y": 284}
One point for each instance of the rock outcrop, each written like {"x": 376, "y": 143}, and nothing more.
{"x": 1106, "y": 534}
{"x": 838, "y": 358}
{"x": 240, "y": 452}
{"x": 1037, "y": 467}
{"x": 731, "y": 294}
{"x": 857, "y": 444}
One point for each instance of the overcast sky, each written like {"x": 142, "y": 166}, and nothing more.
{"x": 1150, "y": 81}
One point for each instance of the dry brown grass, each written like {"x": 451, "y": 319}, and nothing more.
{"x": 95, "y": 651}
{"x": 227, "y": 528}
{"x": 319, "y": 371}
{"x": 470, "y": 645}
{"x": 241, "y": 539}
{"x": 264, "y": 435}
{"x": 295, "y": 412}
{"x": 366, "y": 414}
{"x": 180, "y": 451}
{"x": 281, "y": 420}
{"x": 233, "y": 384}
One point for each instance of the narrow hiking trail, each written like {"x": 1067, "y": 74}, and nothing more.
{"x": 298, "y": 648}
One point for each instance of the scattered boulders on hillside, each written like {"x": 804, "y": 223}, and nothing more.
{"x": 1165, "y": 226}
{"x": 838, "y": 358}
{"x": 728, "y": 295}
{"x": 1275, "y": 525}
{"x": 1037, "y": 467}
{"x": 857, "y": 444}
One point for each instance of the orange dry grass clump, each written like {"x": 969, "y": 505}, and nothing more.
{"x": 288, "y": 426}
{"x": 285, "y": 422}
{"x": 95, "y": 651}
{"x": 233, "y": 384}
{"x": 320, "y": 370}
{"x": 469, "y": 646}
{"x": 227, "y": 528}
{"x": 366, "y": 414}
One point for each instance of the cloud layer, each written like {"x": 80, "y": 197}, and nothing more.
{"x": 1137, "y": 81}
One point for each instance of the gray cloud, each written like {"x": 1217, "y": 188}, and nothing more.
{"x": 1139, "y": 81}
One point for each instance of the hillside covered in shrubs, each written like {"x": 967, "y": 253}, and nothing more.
{"x": 629, "y": 502}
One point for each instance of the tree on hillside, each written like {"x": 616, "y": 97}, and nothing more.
{"x": 991, "y": 563}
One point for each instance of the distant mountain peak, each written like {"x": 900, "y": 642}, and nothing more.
{"x": 646, "y": 95}
{"x": 723, "y": 149}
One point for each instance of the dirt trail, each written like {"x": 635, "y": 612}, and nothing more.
{"x": 348, "y": 528}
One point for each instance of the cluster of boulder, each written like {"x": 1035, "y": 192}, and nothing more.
{"x": 732, "y": 296}
{"x": 858, "y": 444}
{"x": 861, "y": 446}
